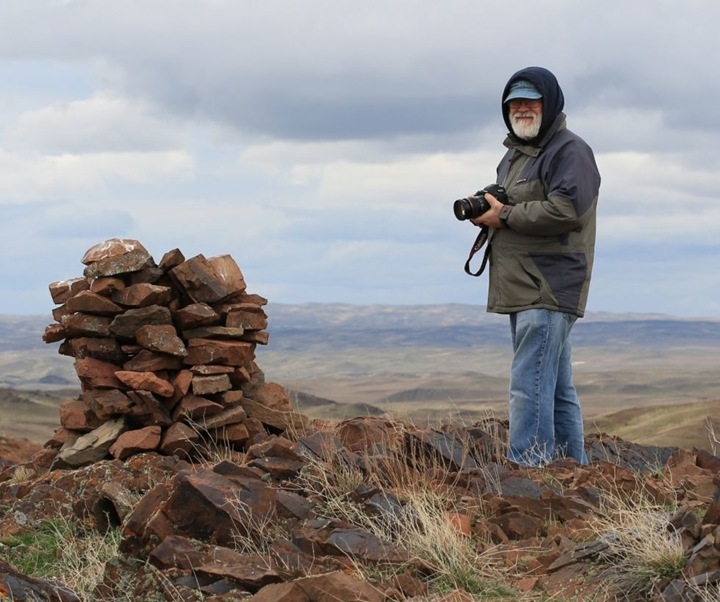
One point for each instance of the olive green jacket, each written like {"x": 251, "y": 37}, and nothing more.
{"x": 544, "y": 257}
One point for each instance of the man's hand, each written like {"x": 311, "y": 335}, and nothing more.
{"x": 491, "y": 217}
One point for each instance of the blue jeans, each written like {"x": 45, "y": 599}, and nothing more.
{"x": 545, "y": 415}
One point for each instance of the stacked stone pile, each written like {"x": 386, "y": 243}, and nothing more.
{"x": 165, "y": 354}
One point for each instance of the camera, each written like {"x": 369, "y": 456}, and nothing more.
{"x": 475, "y": 205}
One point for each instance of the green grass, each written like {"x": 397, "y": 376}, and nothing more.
{"x": 57, "y": 550}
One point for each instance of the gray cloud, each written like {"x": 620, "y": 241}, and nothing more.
{"x": 322, "y": 142}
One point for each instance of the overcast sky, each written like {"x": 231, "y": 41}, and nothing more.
{"x": 321, "y": 143}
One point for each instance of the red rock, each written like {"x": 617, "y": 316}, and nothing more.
{"x": 179, "y": 439}
{"x": 278, "y": 419}
{"x": 213, "y": 332}
{"x": 460, "y": 522}
{"x": 78, "y": 325}
{"x": 62, "y": 290}
{"x": 162, "y": 339}
{"x": 210, "y": 351}
{"x": 105, "y": 349}
{"x": 712, "y": 515}
{"x": 224, "y": 418}
{"x": 133, "y": 442}
{"x": 171, "y": 259}
{"x": 230, "y": 398}
{"x": 708, "y": 461}
{"x": 97, "y": 374}
{"x": 247, "y": 317}
{"x": 251, "y": 572}
{"x": 149, "y": 275}
{"x": 54, "y": 333}
{"x": 231, "y": 435}
{"x": 208, "y": 281}
{"x": 106, "y": 403}
{"x": 196, "y": 315}
{"x": 145, "y": 381}
{"x": 273, "y": 395}
{"x": 256, "y": 336}
{"x": 207, "y": 385}
{"x": 177, "y": 551}
{"x": 76, "y": 415}
{"x": 211, "y": 369}
{"x": 195, "y": 408}
{"x": 147, "y": 410}
{"x": 112, "y": 249}
{"x": 149, "y": 361}
{"x": 92, "y": 303}
{"x": 107, "y": 286}
{"x": 145, "y": 526}
{"x": 182, "y": 382}
{"x": 143, "y": 295}
{"x": 127, "y": 324}
{"x": 132, "y": 261}
{"x": 241, "y": 301}
{"x": 229, "y": 273}
{"x": 195, "y": 507}
{"x": 240, "y": 376}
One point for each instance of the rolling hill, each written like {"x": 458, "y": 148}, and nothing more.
{"x": 635, "y": 372}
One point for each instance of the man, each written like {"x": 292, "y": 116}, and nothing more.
{"x": 541, "y": 249}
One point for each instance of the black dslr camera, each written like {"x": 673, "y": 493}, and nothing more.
{"x": 475, "y": 205}
{"x": 472, "y": 207}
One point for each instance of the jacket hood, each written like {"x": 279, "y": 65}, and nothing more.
{"x": 553, "y": 99}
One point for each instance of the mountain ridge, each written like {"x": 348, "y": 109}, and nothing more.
{"x": 420, "y": 361}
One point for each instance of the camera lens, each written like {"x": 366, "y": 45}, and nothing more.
{"x": 461, "y": 207}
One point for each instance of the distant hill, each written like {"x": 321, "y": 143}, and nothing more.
{"x": 429, "y": 362}
{"x": 21, "y": 333}
{"x": 457, "y": 325}
{"x": 687, "y": 425}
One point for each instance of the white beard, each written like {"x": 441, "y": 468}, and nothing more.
{"x": 524, "y": 130}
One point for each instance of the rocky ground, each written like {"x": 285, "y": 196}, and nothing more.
{"x": 182, "y": 518}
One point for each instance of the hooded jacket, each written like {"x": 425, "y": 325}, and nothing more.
{"x": 544, "y": 257}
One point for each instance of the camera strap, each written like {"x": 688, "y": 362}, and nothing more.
{"x": 477, "y": 245}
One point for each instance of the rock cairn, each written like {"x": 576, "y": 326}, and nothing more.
{"x": 165, "y": 354}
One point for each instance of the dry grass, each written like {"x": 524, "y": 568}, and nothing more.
{"x": 412, "y": 514}
{"x": 57, "y": 550}
{"x": 82, "y": 558}
{"x": 706, "y": 593}
{"x": 254, "y": 535}
{"x": 712, "y": 436}
{"x": 643, "y": 549}
{"x": 415, "y": 494}
{"x": 21, "y": 474}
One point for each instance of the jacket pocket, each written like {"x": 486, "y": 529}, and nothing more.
{"x": 565, "y": 275}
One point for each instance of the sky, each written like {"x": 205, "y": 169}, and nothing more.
{"x": 321, "y": 143}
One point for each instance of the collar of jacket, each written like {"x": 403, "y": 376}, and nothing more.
{"x": 533, "y": 147}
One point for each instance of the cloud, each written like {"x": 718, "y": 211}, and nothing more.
{"x": 99, "y": 124}
{"x": 322, "y": 143}
{"x": 27, "y": 178}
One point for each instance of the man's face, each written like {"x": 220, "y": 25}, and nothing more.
{"x": 525, "y": 117}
